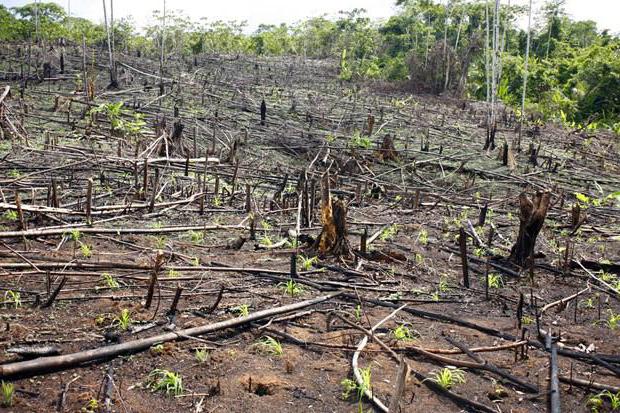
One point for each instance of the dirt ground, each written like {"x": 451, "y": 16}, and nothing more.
{"x": 185, "y": 226}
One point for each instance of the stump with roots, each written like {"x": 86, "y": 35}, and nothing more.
{"x": 531, "y": 219}
{"x": 333, "y": 237}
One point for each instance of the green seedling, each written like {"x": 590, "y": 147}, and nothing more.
{"x": 13, "y": 298}
{"x": 11, "y": 215}
{"x": 202, "y": 355}
{"x": 306, "y": 263}
{"x": 242, "y": 310}
{"x": 123, "y": 320}
{"x": 110, "y": 281}
{"x": 402, "y": 333}
{"x": 165, "y": 381}
{"x": 8, "y": 391}
{"x": 291, "y": 288}
{"x": 388, "y": 232}
{"x": 448, "y": 377}
{"x": 269, "y": 346}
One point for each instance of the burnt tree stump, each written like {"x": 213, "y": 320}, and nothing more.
{"x": 333, "y": 237}
{"x": 387, "y": 150}
{"x": 531, "y": 219}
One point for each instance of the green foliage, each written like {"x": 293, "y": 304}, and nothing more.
{"x": 86, "y": 250}
{"x": 307, "y": 262}
{"x": 92, "y": 406}
{"x": 201, "y": 355}
{"x": 448, "y": 377}
{"x": 197, "y": 237}
{"x": 613, "y": 320}
{"x": 110, "y": 281}
{"x": 10, "y": 215}
{"x": 388, "y": 232}
{"x": 269, "y": 346}
{"x": 358, "y": 312}
{"x": 359, "y": 141}
{"x": 12, "y": 298}
{"x": 8, "y": 391}
{"x": 403, "y": 333}
{"x": 114, "y": 112}
{"x": 597, "y": 401}
{"x": 495, "y": 280}
{"x": 242, "y": 310}
{"x": 123, "y": 321}
{"x": 165, "y": 381}
{"x": 291, "y": 288}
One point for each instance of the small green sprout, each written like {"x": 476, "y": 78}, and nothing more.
{"x": 269, "y": 346}
{"x": 242, "y": 310}
{"x": 448, "y": 377}
{"x": 165, "y": 381}
{"x": 202, "y": 355}
{"x": 291, "y": 288}
{"x": 388, "y": 232}
{"x": 307, "y": 263}
{"x": 13, "y": 298}
{"x": 495, "y": 280}
{"x": 86, "y": 250}
{"x": 110, "y": 281}
{"x": 123, "y": 320}
{"x": 10, "y": 215}
{"x": 8, "y": 391}
{"x": 402, "y": 333}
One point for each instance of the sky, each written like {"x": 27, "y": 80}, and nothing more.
{"x": 605, "y": 12}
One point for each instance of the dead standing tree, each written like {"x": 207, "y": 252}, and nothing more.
{"x": 531, "y": 219}
{"x": 113, "y": 77}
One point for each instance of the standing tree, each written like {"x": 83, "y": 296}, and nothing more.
{"x": 525, "y": 73}
{"x": 113, "y": 78}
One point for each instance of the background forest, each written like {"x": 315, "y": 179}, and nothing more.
{"x": 428, "y": 46}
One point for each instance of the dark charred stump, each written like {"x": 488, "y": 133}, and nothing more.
{"x": 47, "y": 70}
{"x": 370, "y": 122}
{"x": 387, "y": 150}
{"x": 532, "y": 217}
{"x": 263, "y": 112}
{"x": 333, "y": 237}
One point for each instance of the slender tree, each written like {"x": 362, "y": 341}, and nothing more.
{"x": 525, "y": 73}
{"x": 113, "y": 80}
{"x": 161, "y": 56}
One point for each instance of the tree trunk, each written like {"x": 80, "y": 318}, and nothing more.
{"x": 333, "y": 237}
{"x": 532, "y": 217}
{"x": 113, "y": 80}
{"x": 525, "y": 73}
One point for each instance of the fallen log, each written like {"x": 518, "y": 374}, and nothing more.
{"x": 54, "y": 363}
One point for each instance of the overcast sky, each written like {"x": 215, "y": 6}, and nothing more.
{"x": 605, "y": 12}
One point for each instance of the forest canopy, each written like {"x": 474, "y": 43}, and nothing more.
{"x": 429, "y": 46}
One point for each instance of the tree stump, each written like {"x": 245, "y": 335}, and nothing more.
{"x": 532, "y": 217}
{"x": 333, "y": 237}
{"x": 387, "y": 150}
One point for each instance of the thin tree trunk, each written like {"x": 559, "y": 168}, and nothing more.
{"x": 113, "y": 81}
{"x": 456, "y": 47}
{"x": 36, "y": 20}
{"x": 112, "y": 24}
{"x": 161, "y": 56}
{"x": 84, "y": 72}
{"x": 494, "y": 71}
{"x": 525, "y": 73}
{"x": 446, "y": 57}
{"x": 486, "y": 65}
